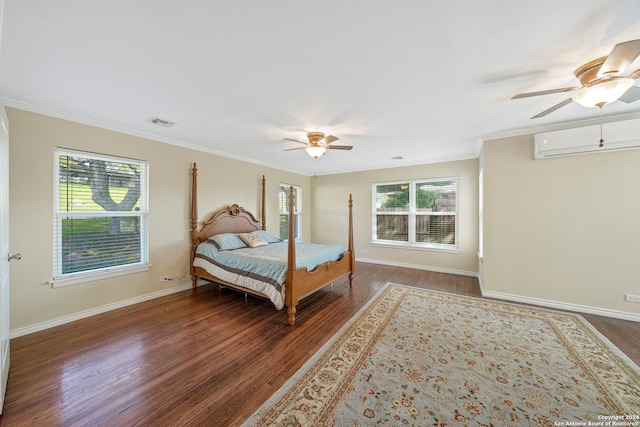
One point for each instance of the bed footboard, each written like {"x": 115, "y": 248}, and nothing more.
{"x": 300, "y": 282}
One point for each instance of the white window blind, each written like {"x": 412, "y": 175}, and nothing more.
{"x": 283, "y": 197}
{"x": 100, "y": 215}
{"x": 421, "y": 213}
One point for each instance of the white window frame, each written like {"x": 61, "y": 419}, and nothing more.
{"x": 66, "y": 279}
{"x": 297, "y": 207}
{"x": 412, "y": 215}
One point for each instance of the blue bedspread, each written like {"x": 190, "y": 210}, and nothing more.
{"x": 269, "y": 263}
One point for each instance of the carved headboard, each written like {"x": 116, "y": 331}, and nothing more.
{"x": 232, "y": 219}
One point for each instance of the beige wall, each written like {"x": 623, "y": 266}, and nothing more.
{"x": 564, "y": 229}
{"x": 221, "y": 181}
{"x": 329, "y": 204}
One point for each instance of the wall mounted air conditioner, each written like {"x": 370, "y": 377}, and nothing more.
{"x": 622, "y": 135}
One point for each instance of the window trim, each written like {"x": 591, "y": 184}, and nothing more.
{"x": 101, "y": 274}
{"x": 412, "y": 215}
{"x": 58, "y": 278}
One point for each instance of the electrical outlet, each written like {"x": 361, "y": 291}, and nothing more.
{"x": 632, "y": 298}
{"x": 165, "y": 279}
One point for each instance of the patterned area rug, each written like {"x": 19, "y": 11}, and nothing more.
{"x": 425, "y": 358}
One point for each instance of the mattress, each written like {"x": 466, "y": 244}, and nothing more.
{"x": 262, "y": 269}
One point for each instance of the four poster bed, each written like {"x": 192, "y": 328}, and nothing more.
{"x": 234, "y": 249}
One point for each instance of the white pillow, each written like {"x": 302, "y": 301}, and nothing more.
{"x": 266, "y": 236}
{"x": 252, "y": 239}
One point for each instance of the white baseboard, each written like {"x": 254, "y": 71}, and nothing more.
{"x": 565, "y": 306}
{"x": 420, "y": 267}
{"x": 92, "y": 312}
{"x": 516, "y": 298}
{"x": 481, "y": 284}
{"x": 489, "y": 294}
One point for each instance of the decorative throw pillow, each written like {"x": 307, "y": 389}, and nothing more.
{"x": 252, "y": 239}
{"x": 227, "y": 241}
{"x": 266, "y": 236}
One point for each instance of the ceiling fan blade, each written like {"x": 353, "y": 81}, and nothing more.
{"x": 631, "y": 95}
{"x": 295, "y": 140}
{"x": 339, "y": 147}
{"x": 545, "y": 92}
{"x": 621, "y": 56}
{"x": 635, "y": 74}
{"x": 297, "y": 148}
{"x": 330, "y": 138}
{"x": 554, "y": 108}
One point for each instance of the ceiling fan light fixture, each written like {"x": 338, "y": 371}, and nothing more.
{"x": 315, "y": 151}
{"x": 602, "y": 93}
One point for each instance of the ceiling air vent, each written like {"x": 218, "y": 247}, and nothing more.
{"x": 162, "y": 122}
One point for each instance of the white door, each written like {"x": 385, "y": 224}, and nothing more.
{"x": 4, "y": 253}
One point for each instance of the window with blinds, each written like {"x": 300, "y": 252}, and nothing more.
{"x": 100, "y": 216}
{"x": 283, "y": 197}
{"x": 420, "y": 213}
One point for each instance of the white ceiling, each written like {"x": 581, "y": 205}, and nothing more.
{"x": 422, "y": 79}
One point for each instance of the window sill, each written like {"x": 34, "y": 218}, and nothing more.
{"x": 98, "y": 275}
{"x": 416, "y": 246}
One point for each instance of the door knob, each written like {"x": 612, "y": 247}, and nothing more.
{"x": 17, "y": 256}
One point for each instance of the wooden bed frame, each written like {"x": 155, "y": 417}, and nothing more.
{"x": 299, "y": 282}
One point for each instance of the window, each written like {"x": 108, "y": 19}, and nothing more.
{"x": 100, "y": 216}
{"x": 417, "y": 213}
{"x": 284, "y": 210}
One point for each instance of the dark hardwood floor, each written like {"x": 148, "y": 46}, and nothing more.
{"x": 201, "y": 357}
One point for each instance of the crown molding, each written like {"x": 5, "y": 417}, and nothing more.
{"x": 561, "y": 126}
{"x": 127, "y": 131}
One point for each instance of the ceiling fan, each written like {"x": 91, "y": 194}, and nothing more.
{"x": 601, "y": 80}
{"x": 318, "y": 143}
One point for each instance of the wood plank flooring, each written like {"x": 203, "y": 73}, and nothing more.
{"x": 198, "y": 358}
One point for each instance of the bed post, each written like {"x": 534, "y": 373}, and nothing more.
{"x": 352, "y": 253}
{"x": 264, "y": 215}
{"x": 194, "y": 220}
{"x": 290, "y": 297}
